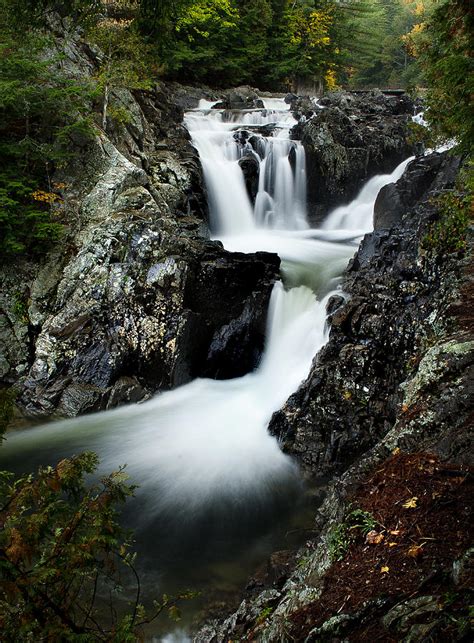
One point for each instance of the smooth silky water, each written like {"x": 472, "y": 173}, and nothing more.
{"x": 216, "y": 495}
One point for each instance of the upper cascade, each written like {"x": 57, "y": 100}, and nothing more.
{"x": 224, "y": 139}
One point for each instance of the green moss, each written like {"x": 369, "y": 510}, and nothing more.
{"x": 264, "y": 614}
{"x": 20, "y": 308}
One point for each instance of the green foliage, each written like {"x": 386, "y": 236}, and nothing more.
{"x": 126, "y": 59}
{"x": 37, "y": 12}
{"x": 264, "y": 614}
{"x": 61, "y": 548}
{"x": 203, "y": 38}
{"x": 372, "y": 39}
{"x": 420, "y": 134}
{"x": 26, "y": 224}
{"x": 41, "y": 110}
{"x": 449, "y": 234}
{"x": 343, "y": 534}
{"x": 446, "y": 54}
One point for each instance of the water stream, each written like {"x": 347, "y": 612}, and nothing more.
{"x": 216, "y": 493}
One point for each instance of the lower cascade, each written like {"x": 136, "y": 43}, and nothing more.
{"x": 208, "y": 470}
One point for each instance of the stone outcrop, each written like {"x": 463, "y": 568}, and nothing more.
{"x": 137, "y": 298}
{"x": 352, "y": 394}
{"x": 239, "y": 98}
{"x": 349, "y": 138}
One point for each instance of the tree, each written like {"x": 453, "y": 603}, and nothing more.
{"x": 127, "y": 60}
{"x": 305, "y": 52}
{"x": 40, "y": 110}
{"x": 61, "y": 549}
{"x": 203, "y": 35}
{"x": 444, "y": 46}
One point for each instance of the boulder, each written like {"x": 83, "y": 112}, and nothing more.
{"x": 250, "y": 167}
{"x": 348, "y": 138}
{"x": 240, "y": 98}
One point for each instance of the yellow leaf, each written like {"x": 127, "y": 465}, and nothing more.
{"x": 410, "y": 503}
{"x": 415, "y": 551}
{"x": 374, "y": 538}
{"x": 384, "y": 570}
{"x": 396, "y": 451}
{"x": 392, "y": 544}
{"x": 395, "y": 532}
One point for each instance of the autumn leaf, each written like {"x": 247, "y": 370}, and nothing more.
{"x": 384, "y": 570}
{"x": 415, "y": 551}
{"x": 411, "y": 503}
{"x": 374, "y": 538}
{"x": 392, "y": 544}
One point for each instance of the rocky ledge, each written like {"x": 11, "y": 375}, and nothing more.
{"x": 349, "y": 138}
{"x": 392, "y": 289}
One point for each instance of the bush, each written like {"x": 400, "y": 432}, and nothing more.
{"x": 61, "y": 548}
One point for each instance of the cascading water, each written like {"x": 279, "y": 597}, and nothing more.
{"x": 212, "y": 479}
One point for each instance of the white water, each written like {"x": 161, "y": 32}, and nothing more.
{"x": 208, "y": 440}
{"x": 357, "y": 216}
{"x": 206, "y": 445}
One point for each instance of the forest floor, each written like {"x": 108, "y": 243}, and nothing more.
{"x": 421, "y": 508}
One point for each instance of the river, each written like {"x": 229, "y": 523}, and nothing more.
{"x": 216, "y": 494}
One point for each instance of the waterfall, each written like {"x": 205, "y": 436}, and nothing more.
{"x": 203, "y": 449}
{"x": 222, "y": 137}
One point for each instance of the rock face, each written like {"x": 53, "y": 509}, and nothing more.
{"x": 137, "y": 298}
{"x": 351, "y": 396}
{"x": 349, "y": 138}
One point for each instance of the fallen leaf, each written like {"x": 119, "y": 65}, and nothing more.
{"x": 410, "y": 503}
{"x": 395, "y": 532}
{"x": 374, "y": 538}
{"x": 384, "y": 570}
{"x": 396, "y": 451}
{"x": 392, "y": 544}
{"x": 415, "y": 551}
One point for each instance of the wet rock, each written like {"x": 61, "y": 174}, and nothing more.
{"x": 353, "y": 137}
{"x": 138, "y": 299}
{"x": 251, "y": 169}
{"x": 394, "y": 200}
{"x": 463, "y": 568}
{"x": 240, "y": 98}
{"x": 352, "y": 395}
{"x": 400, "y": 618}
{"x": 126, "y": 390}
